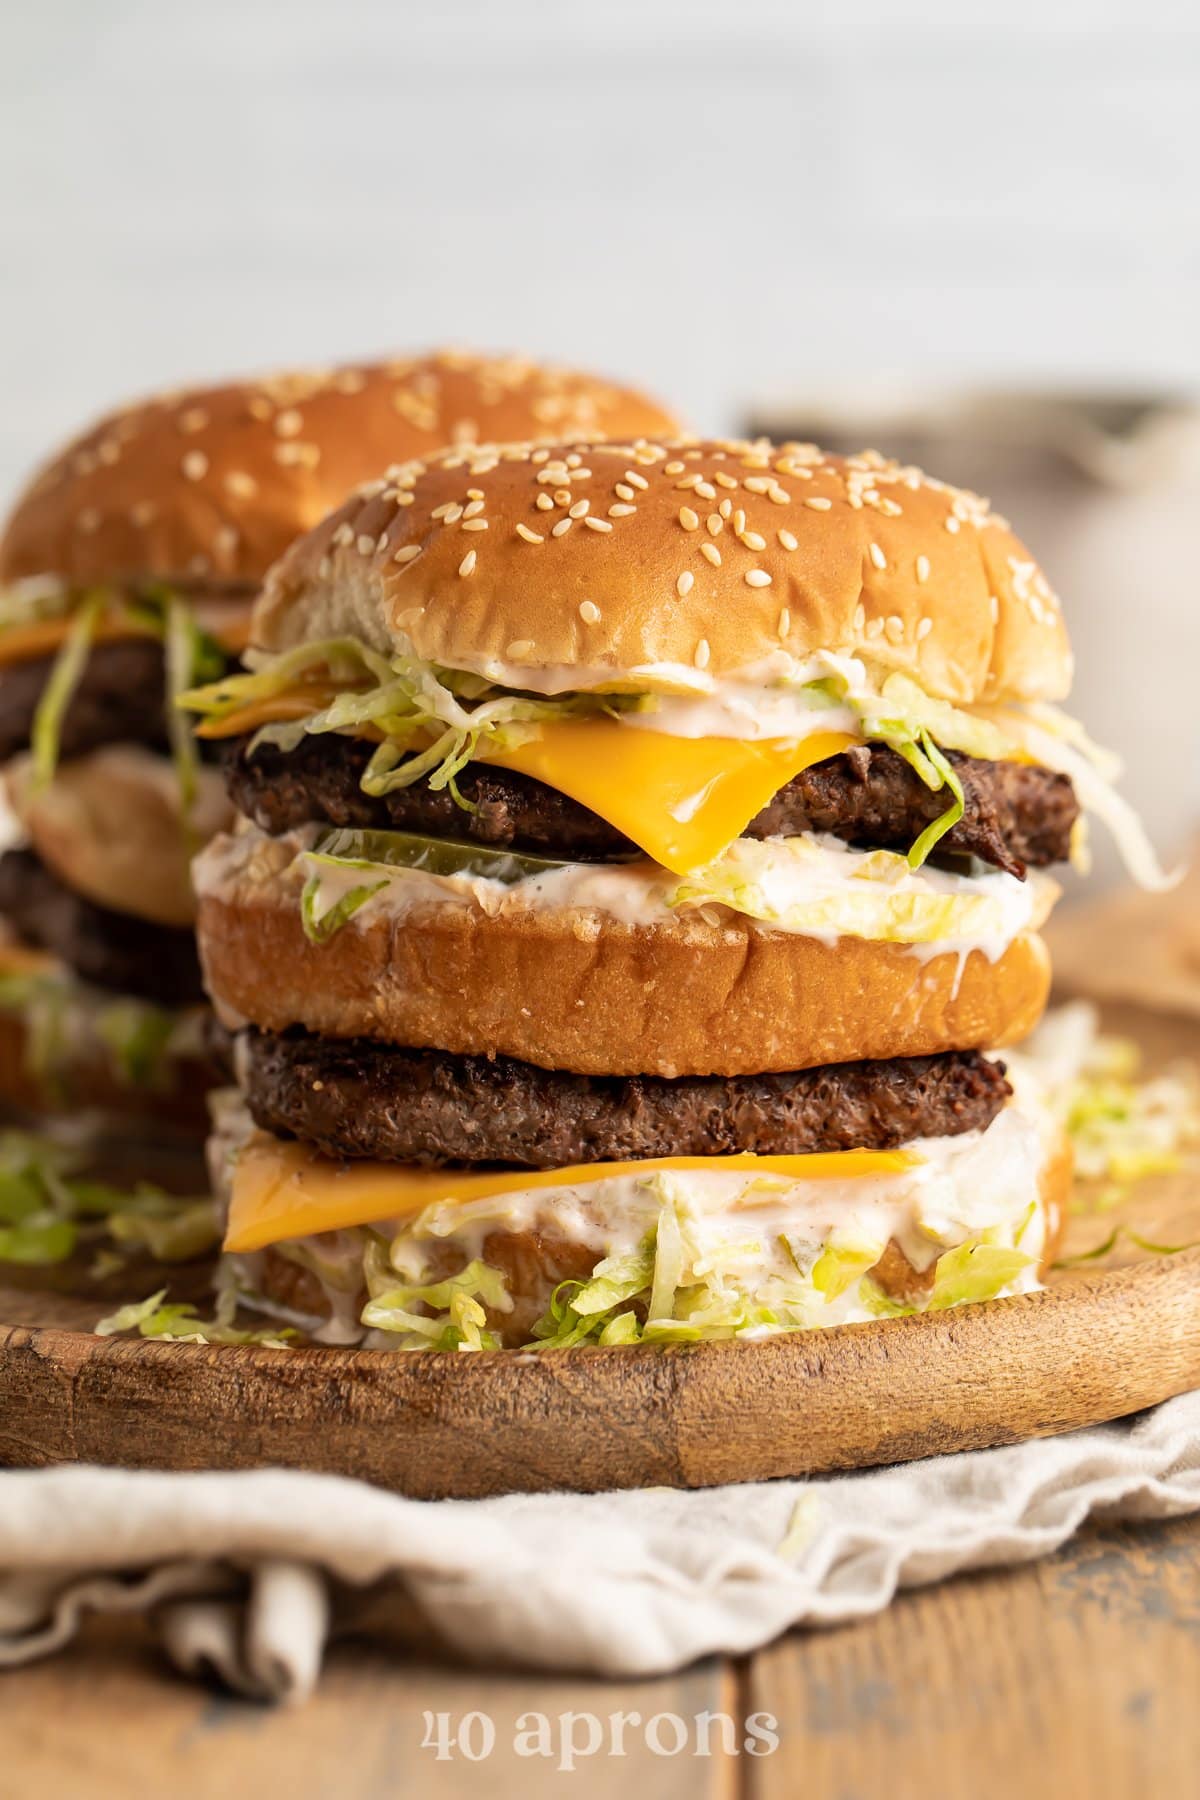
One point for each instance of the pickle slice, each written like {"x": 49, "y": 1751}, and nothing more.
{"x": 438, "y": 856}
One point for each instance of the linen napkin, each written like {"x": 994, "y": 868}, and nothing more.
{"x": 246, "y": 1576}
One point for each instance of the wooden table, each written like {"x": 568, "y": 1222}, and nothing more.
{"x": 1073, "y": 1677}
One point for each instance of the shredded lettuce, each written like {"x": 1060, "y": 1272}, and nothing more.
{"x": 49, "y": 1208}
{"x": 974, "y": 1271}
{"x": 801, "y": 884}
{"x": 180, "y": 1322}
{"x": 455, "y": 1316}
{"x": 320, "y": 926}
{"x": 430, "y": 721}
{"x": 65, "y": 676}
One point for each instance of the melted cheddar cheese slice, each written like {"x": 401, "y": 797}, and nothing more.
{"x": 285, "y": 1190}
{"x": 681, "y": 800}
{"x": 45, "y": 637}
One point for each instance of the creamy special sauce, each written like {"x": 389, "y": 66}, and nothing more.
{"x": 811, "y": 886}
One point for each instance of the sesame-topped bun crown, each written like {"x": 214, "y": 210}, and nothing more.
{"x": 210, "y": 485}
{"x": 663, "y": 565}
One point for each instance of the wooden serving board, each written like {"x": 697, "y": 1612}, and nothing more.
{"x": 1101, "y": 1341}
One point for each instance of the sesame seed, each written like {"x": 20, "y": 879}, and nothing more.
{"x": 579, "y": 510}
{"x": 381, "y": 543}
{"x": 877, "y": 557}
{"x": 561, "y": 529}
{"x": 924, "y": 628}
{"x": 725, "y": 480}
{"x": 589, "y": 612}
{"x": 758, "y": 484}
{"x": 995, "y": 606}
{"x": 685, "y": 583}
{"x": 467, "y": 565}
{"x": 545, "y": 503}
{"x": 621, "y": 512}
{"x": 714, "y": 523}
{"x": 289, "y": 423}
{"x": 475, "y": 494}
{"x": 476, "y": 504}
{"x": 636, "y": 480}
{"x": 344, "y": 533}
{"x": 701, "y": 657}
{"x": 706, "y": 490}
{"x": 739, "y": 522}
{"x": 894, "y": 626}
{"x": 779, "y": 496}
{"x": 597, "y": 524}
{"x": 406, "y": 553}
{"x": 474, "y": 525}
{"x": 818, "y": 502}
{"x": 674, "y": 468}
{"x": 785, "y": 623}
{"x": 531, "y": 537}
{"x": 753, "y": 540}
{"x": 623, "y": 491}
{"x": 194, "y": 419}
{"x": 712, "y": 553}
{"x": 860, "y": 617}
{"x": 365, "y": 545}
{"x": 875, "y": 628}
{"x": 688, "y": 519}
{"x": 788, "y": 541}
{"x": 562, "y": 496}
{"x": 195, "y": 465}
{"x": 725, "y": 508}
{"x": 757, "y": 578}
{"x": 951, "y": 523}
{"x": 922, "y": 568}
{"x": 454, "y": 514}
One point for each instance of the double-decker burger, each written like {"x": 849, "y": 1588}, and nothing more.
{"x": 642, "y": 850}
{"x": 128, "y": 569}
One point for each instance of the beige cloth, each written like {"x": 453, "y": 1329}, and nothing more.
{"x": 247, "y": 1575}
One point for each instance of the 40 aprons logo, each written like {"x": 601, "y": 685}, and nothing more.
{"x": 568, "y": 1738}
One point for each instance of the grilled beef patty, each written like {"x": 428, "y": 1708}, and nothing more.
{"x": 121, "y": 698}
{"x": 351, "y": 1097}
{"x": 110, "y": 949}
{"x": 1017, "y": 814}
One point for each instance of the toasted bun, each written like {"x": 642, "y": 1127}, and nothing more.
{"x": 673, "y": 564}
{"x": 570, "y": 990}
{"x": 211, "y": 484}
{"x": 534, "y": 1263}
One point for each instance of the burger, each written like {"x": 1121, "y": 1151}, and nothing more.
{"x": 127, "y": 572}
{"x": 641, "y": 855}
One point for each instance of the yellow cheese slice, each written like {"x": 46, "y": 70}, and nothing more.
{"x": 681, "y": 800}
{"x": 298, "y": 702}
{"x": 285, "y": 1190}
{"x": 26, "y": 643}
{"x": 45, "y": 637}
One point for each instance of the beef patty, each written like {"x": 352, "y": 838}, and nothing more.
{"x": 121, "y": 698}
{"x": 110, "y": 949}
{"x": 1017, "y": 814}
{"x": 351, "y": 1097}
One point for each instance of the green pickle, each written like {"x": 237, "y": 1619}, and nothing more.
{"x": 439, "y": 856}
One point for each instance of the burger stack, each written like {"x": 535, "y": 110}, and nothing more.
{"x": 641, "y": 855}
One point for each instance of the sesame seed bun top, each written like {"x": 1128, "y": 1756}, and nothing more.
{"x": 674, "y": 563}
{"x": 207, "y": 486}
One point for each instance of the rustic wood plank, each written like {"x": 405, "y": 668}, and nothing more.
{"x": 1073, "y": 1676}
{"x": 106, "y": 1720}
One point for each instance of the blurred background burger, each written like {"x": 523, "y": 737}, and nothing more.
{"x": 128, "y": 568}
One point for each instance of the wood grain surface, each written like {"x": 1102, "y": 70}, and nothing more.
{"x": 1099, "y": 1342}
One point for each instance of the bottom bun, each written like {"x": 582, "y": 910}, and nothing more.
{"x": 718, "y": 1254}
